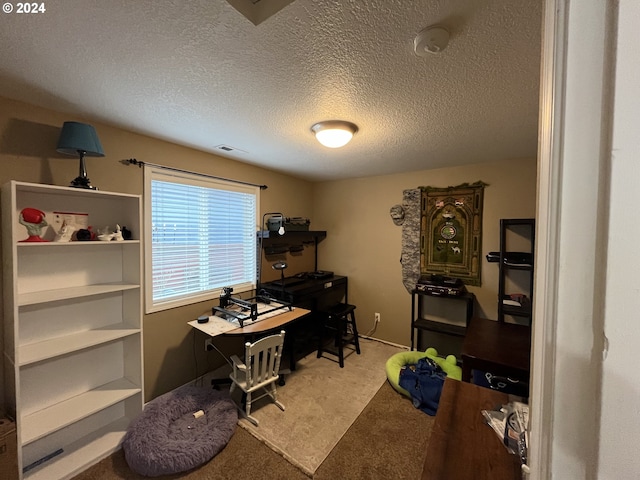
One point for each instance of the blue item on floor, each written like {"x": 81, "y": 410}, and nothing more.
{"x": 402, "y": 359}
{"x": 424, "y": 382}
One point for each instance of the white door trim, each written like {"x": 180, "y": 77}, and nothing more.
{"x": 567, "y": 334}
{"x": 549, "y": 191}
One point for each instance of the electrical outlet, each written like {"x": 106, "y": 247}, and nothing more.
{"x": 208, "y": 345}
{"x": 377, "y": 317}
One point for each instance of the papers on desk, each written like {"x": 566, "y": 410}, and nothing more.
{"x": 217, "y": 325}
{"x": 511, "y": 423}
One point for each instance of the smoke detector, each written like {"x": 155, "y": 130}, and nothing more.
{"x": 432, "y": 39}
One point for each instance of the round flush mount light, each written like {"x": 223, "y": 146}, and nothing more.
{"x": 431, "y": 40}
{"x": 334, "y": 133}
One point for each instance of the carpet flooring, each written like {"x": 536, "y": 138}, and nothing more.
{"x": 387, "y": 438}
{"x": 322, "y": 400}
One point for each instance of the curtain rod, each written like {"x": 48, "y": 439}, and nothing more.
{"x": 133, "y": 161}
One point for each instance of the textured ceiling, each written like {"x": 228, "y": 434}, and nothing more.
{"x": 199, "y": 73}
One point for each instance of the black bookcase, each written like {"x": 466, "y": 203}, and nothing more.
{"x": 516, "y": 266}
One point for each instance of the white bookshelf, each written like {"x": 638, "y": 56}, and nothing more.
{"x": 73, "y": 330}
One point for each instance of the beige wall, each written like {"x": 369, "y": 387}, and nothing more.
{"x": 364, "y": 244}
{"x": 27, "y": 153}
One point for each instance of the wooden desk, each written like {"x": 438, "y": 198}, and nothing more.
{"x": 461, "y": 445}
{"x": 497, "y": 347}
{"x": 261, "y": 327}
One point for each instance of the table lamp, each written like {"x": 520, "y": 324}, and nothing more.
{"x": 82, "y": 140}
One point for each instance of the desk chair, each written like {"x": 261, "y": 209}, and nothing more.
{"x": 258, "y": 372}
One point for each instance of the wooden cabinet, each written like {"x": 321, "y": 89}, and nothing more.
{"x": 72, "y": 329}
{"x": 517, "y": 243}
{"x": 444, "y": 314}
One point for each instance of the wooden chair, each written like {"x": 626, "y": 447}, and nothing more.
{"x": 341, "y": 321}
{"x": 258, "y": 372}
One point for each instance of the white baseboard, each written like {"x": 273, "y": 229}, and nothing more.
{"x": 404, "y": 347}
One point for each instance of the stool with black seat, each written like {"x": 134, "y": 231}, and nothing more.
{"x": 340, "y": 320}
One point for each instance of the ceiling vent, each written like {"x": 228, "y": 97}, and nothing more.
{"x": 257, "y": 11}
{"x": 228, "y": 149}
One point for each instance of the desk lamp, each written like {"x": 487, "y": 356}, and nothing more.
{"x": 280, "y": 266}
{"x": 82, "y": 140}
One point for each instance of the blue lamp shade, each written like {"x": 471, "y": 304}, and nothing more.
{"x": 80, "y": 139}
{"x": 76, "y": 137}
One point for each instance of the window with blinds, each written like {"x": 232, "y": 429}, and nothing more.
{"x": 200, "y": 236}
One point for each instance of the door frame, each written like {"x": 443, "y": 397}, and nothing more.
{"x": 567, "y": 332}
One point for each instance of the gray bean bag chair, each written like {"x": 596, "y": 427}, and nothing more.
{"x": 167, "y": 438}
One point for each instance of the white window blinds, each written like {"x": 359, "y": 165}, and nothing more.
{"x": 200, "y": 236}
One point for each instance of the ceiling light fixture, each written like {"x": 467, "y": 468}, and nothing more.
{"x": 334, "y": 133}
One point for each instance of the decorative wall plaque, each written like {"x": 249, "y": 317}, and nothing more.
{"x": 451, "y": 231}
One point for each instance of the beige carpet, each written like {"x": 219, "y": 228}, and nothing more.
{"x": 322, "y": 400}
{"x": 389, "y": 440}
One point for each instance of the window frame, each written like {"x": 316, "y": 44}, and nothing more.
{"x": 197, "y": 180}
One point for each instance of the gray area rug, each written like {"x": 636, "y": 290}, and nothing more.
{"x": 322, "y": 400}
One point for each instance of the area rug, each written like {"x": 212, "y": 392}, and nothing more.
{"x": 321, "y": 402}
{"x": 389, "y": 439}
